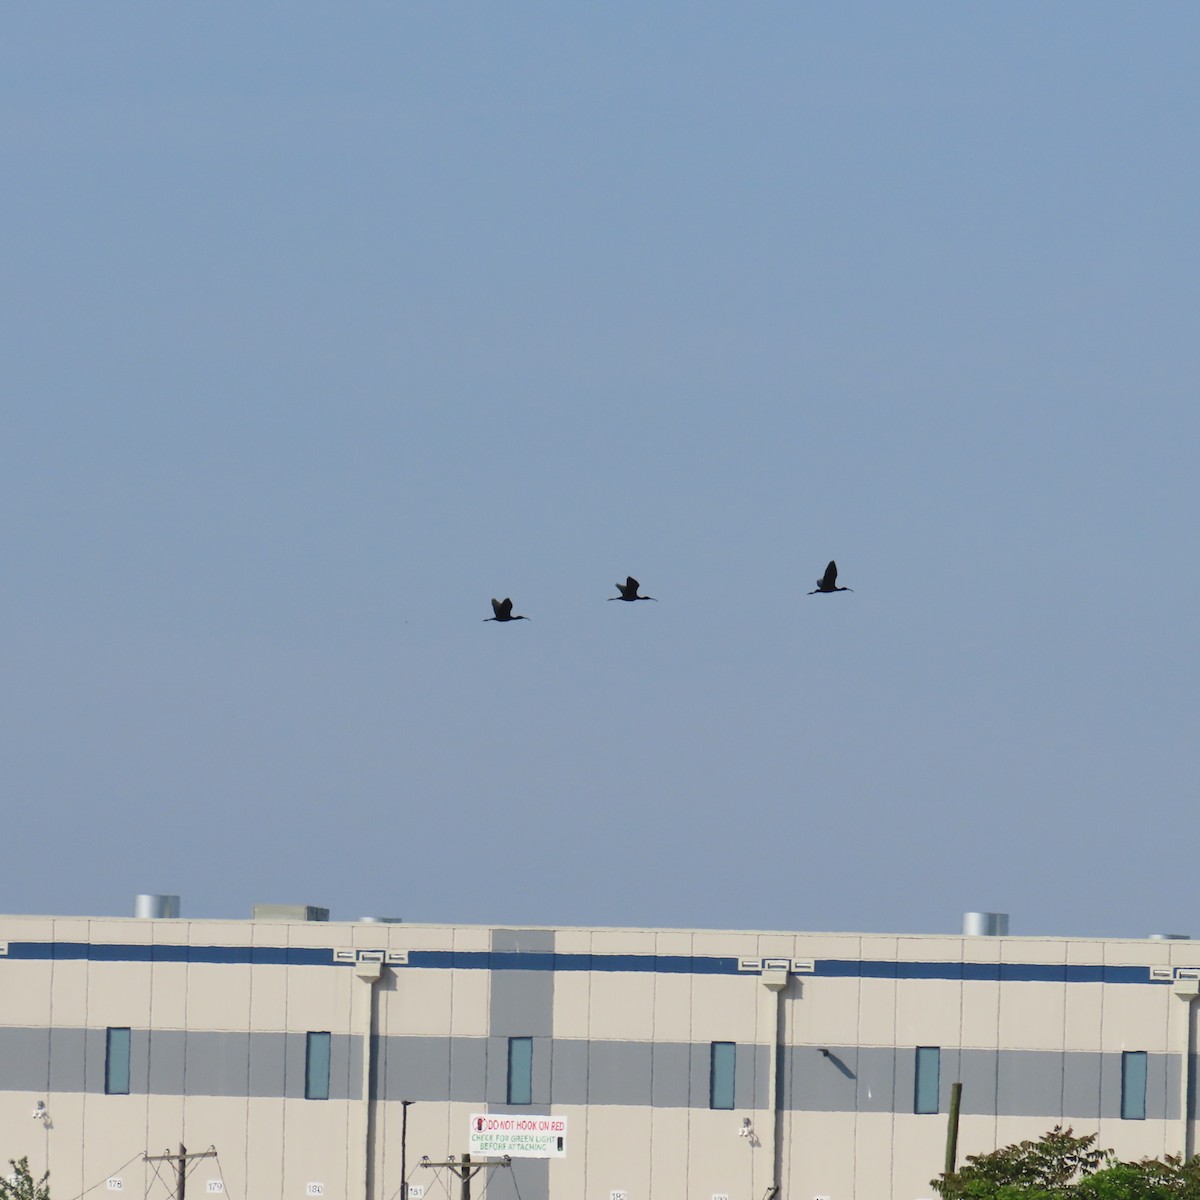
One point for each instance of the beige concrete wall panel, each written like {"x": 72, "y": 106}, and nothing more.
{"x": 219, "y": 995}
{"x": 622, "y": 1006}
{"x": 877, "y": 1012}
{"x": 472, "y": 937}
{"x": 673, "y": 1007}
{"x": 418, "y": 1002}
{"x": 822, "y": 1162}
{"x": 929, "y": 1012}
{"x": 164, "y": 1129}
{"x": 878, "y": 949}
{"x": 618, "y": 1153}
{"x": 221, "y": 933}
{"x": 725, "y": 1008}
{"x": 624, "y": 941}
{"x": 1033, "y": 950}
{"x": 572, "y": 1004}
{"x": 311, "y": 935}
{"x": 873, "y": 1157}
{"x": 573, "y": 941}
{"x": 1085, "y": 953}
{"x": 673, "y": 942}
{"x": 117, "y": 933}
{"x": 26, "y": 929}
{"x": 72, "y": 929}
{"x": 775, "y": 945}
{"x": 837, "y": 947}
{"x": 69, "y": 994}
{"x": 25, "y": 993}
{"x": 1083, "y": 1016}
{"x": 980, "y": 1013}
{"x": 820, "y": 1012}
{"x": 119, "y": 994}
{"x": 168, "y": 995}
{"x": 320, "y": 998}
{"x": 929, "y": 949}
{"x": 471, "y": 1003}
{"x": 981, "y": 949}
{"x": 315, "y": 1148}
{"x": 722, "y": 944}
{"x": 221, "y": 1124}
{"x": 669, "y": 1160}
{"x": 919, "y": 1153}
{"x": 20, "y": 1136}
{"x": 1032, "y": 1015}
{"x": 114, "y": 1133}
{"x": 720, "y": 1161}
{"x": 1135, "y": 1017}
{"x": 1133, "y": 1140}
{"x": 268, "y": 998}
{"x": 411, "y": 937}
{"x": 264, "y": 1151}
{"x": 1139, "y": 953}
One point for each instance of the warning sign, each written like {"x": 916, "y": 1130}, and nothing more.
{"x": 518, "y": 1136}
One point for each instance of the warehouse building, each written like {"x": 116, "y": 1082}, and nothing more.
{"x": 296, "y": 1057}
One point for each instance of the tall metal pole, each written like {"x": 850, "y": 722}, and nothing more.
{"x": 952, "y": 1128}
{"x": 404, "y": 1149}
{"x": 181, "y": 1177}
{"x": 466, "y": 1177}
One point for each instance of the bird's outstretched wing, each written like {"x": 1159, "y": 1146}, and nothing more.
{"x": 505, "y": 609}
{"x": 829, "y": 580}
{"x": 631, "y": 583}
{"x": 498, "y": 606}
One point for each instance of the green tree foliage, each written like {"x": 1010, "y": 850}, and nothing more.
{"x": 23, "y": 1185}
{"x": 1060, "y": 1166}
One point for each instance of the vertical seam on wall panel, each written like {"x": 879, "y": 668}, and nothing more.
{"x": 249, "y": 1051}
{"x": 283, "y": 1100}
{"x": 1062, "y": 1083}
{"x": 87, "y": 1017}
{"x": 996, "y": 1055}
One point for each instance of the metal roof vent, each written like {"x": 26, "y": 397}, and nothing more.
{"x": 290, "y": 912}
{"x": 985, "y": 924}
{"x": 1170, "y": 937}
{"x": 153, "y": 907}
{"x": 381, "y": 920}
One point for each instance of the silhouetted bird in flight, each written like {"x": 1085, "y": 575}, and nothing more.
{"x": 828, "y": 581}
{"x": 503, "y": 611}
{"x": 628, "y": 590}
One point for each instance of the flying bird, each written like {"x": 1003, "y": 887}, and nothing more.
{"x": 828, "y": 581}
{"x": 629, "y": 590}
{"x": 503, "y": 611}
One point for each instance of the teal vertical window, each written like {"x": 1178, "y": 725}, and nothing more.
{"x": 928, "y": 1079}
{"x": 316, "y": 1067}
{"x": 1133, "y": 1085}
{"x": 520, "y": 1070}
{"x": 116, "y": 1062}
{"x": 722, "y": 1063}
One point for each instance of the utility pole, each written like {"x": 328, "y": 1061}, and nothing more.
{"x": 952, "y": 1128}
{"x": 404, "y": 1148}
{"x": 180, "y": 1160}
{"x": 464, "y": 1172}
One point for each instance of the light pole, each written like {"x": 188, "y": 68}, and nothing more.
{"x": 404, "y": 1148}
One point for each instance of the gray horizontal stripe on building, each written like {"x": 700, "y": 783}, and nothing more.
{"x": 1009, "y": 1083}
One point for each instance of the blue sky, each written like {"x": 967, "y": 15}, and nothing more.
{"x": 324, "y": 324}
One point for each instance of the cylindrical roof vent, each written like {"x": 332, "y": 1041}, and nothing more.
{"x": 984, "y": 924}
{"x": 152, "y": 907}
{"x": 1170, "y": 937}
{"x": 381, "y": 920}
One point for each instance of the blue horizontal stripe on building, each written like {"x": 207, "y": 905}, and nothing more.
{"x": 507, "y": 960}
